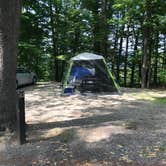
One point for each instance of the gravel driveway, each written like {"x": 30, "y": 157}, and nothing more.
{"x": 91, "y": 129}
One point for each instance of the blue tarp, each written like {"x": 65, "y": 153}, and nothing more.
{"x": 79, "y": 72}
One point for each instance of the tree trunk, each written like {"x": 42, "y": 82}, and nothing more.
{"x": 96, "y": 30}
{"x": 164, "y": 57}
{"x": 139, "y": 72}
{"x": 76, "y": 41}
{"x": 104, "y": 45}
{"x": 118, "y": 59}
{"x": 113, "y": 57}
{"x": 146, "y": 46}
{"x": 54, "y": 42}
{"x": 9, "y": 28}
{"x": 149, "y": 62}
{"x": 126, "y": 57}
{"x": 156, "y": 60}
{"x": 133, "y": 60}
{"x": 144, "y": 70}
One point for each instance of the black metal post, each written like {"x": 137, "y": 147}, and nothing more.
{"x": 21, "y": 131}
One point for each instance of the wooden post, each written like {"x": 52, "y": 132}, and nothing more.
{"x": 21, "y": 131}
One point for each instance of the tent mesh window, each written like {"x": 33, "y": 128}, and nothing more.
{"x": 98, "y": 80}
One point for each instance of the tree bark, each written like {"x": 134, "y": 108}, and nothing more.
{"x": 156, "y": 60}
{"x": 133, "y": 60}
{"x": 104, "y": 45}
{"x": 149, "y": 62}
{"x": 113, "y": 57}
{"x": 126, "y": 57}
{"x": 118, "y": 59}
{"x": 164, "y": 57}
{"x": 146, "y": 46}
{"x": 54, "y": 43}
{"x": 96, "y": 29}
{"x": 9, "y": 27}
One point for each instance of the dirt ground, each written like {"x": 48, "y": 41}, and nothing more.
{"x": 90, "y": 129}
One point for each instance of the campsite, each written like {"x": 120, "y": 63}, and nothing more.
{"x": 83, "y": 83}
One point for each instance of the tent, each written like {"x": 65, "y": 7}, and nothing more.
{"x": 89, "y": 72}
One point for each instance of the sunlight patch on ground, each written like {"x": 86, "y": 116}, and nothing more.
{"x": 150, "y": 95}
{"x": 44, "y": 134}
{"x": 2, "y": 145}
{"x": 96, "y": 134}
{"x": 52, "y": 133}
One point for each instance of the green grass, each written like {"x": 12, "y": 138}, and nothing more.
{"x": 66, "y": 136}
{"x": 160, "y": 100}
{"x": 143, "y": 96}
{"x": 149, "y": 96}
{"x": 131, "y": 125}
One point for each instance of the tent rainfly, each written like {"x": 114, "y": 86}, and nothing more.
{"x": 89, "y": 72}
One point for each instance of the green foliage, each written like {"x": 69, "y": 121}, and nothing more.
{"x": 31, "y": 53}
{"x": 56, "y": 29}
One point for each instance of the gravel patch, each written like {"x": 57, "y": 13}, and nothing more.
{"x": 90, "y": 129}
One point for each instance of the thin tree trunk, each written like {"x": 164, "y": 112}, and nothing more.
{"x": 96, "y": 30}
{"x": 139, "y": 72}
{"x": 54, "y": 42}
{"x": 114, "y": 51}
{"x": 164, "y": 53}
{"x": 119, "y": 57}
{"x": 9, "y": 31}
{"x": 156, "y": 60}
{"x": 144, "y": 61}
{"x": 149, "y": 63}
{"x": 104, "y": 45}
{"x": 133, "y": 60}
{"x": 76, "y": 40}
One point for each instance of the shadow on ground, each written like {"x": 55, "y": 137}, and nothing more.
{"x": 92, "y": 129}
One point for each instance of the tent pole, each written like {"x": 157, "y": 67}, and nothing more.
{"x": 67, "y": 76}
{"x": 112, "y": 77}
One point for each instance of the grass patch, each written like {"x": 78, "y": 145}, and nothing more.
{"x": 143, "y": 96}
{"x": 66, "y": 136}
{"x": 162, "y": 148}
{"x": 149, "y": 96}
{"x": 131, "y": 125}
{"x": 160, "y": 100}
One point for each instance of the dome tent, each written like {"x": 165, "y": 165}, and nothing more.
{"x": 89, "y": 72}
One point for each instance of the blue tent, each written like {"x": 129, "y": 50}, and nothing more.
{"x": 91, "y": 68}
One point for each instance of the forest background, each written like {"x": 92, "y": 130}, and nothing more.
{"x": 131, "y": 35}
